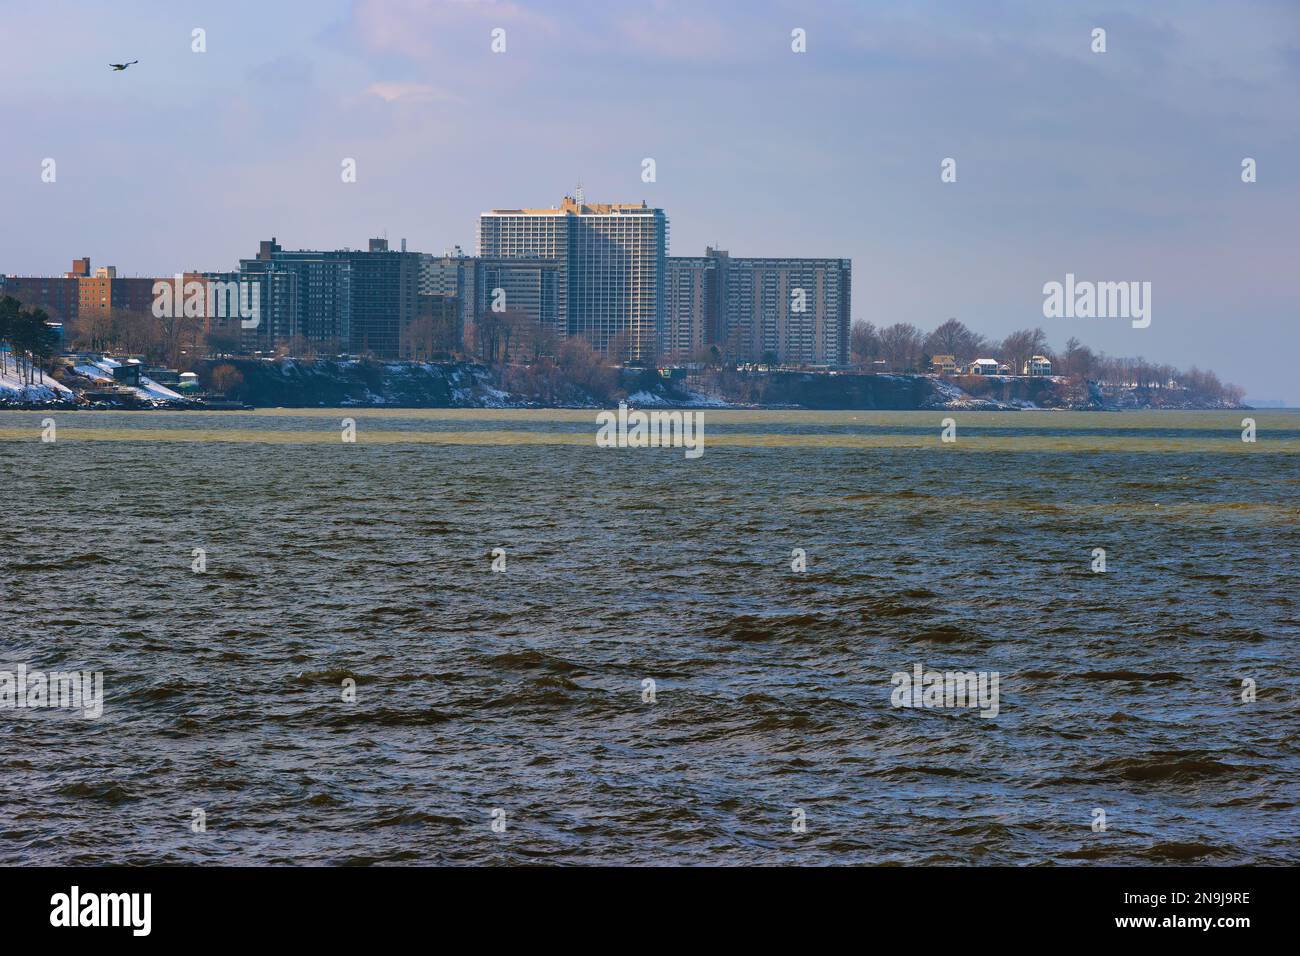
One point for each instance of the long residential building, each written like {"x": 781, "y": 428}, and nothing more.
{"x": 794, "y": 310}
{"x": 81, "y": 293}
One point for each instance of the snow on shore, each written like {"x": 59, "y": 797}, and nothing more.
{"x": 149, "y": 390}
{"x": 13, "y": 389}
{"x": 644, "y": 399}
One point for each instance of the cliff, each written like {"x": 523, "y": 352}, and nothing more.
{"x": 296, "y": 383}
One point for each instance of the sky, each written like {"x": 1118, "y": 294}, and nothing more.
{"x": 1117, "y": 166}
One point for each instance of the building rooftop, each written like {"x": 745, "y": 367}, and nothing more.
{"x": 571, "y": 207}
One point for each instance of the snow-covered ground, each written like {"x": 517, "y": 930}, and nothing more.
{"x": 692, "y": 400}
{"x": 12, "y": 388}
{"x": 952, "y": 397}
{"x": 149, "y": 390}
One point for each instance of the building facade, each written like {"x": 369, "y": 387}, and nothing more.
{"x": 341, "y": 301}
{"x": 82, "y": 293}
{"x": 59, "y": 296}
{"x": 752, "y": 309}
{"x": 690, "y": 307}
{"x": 610, "y": 261}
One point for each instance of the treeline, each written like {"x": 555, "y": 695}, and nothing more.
{"x": 26, "y": 341}
{"x": 904, "y": 348}
{"x": 576, "y": 373}
{"x": 165, "y": 341}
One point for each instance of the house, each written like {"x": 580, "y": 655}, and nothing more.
{"x": 1038, "y": 365}
{"x": 985, "y": 366}
{"x": 943, "y": 364}
{"x": 128, "y": 374}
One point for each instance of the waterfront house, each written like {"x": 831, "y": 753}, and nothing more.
{"x": 1038, "y": 365}
{"x": 985, "y": 366}
{"x": 943, "y": 364}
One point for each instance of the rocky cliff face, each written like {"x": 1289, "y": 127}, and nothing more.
{"x": 292, "y": 383}
{"x": 296, "y": 383}
{"x": 821, "y": 391}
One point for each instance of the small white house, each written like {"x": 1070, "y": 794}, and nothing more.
{"x": 1038, "y": 365}
{"x": 983, "y": 367}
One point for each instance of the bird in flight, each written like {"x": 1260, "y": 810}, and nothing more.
{"x": 122, "y": 66}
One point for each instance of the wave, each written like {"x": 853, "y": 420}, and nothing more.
{"x": 1154, "y": 677}
{"x": 1173, "y": 766}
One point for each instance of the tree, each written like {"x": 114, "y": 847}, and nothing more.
{"x": 584, "y": 367}
{"x": 955, "y": 339}
{"x": 1019, "y": 347}
{"x": 900, "y": 346}
{"x": 487, "y": 337}
{"x": 227, "y": 380}
{"x": 29, "y": 338}
{"x": 541, "y": 339}
{"x": 174, "y": 334}
{"x": 514, "y": 329}
{"x": 708, "y": 357}
{"x": 41, "y": 342}
{"x": 95, "y": 331}
{"x": 22, "y": 339}
{"x": 864, "y": 344}
{"x": 9, "y": 309}
{"x": 1077, "y": 361}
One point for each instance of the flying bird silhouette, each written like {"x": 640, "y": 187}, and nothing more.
{"x": 122, "y": 66}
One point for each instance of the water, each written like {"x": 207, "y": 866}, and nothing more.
{"x": 522, "y": 690}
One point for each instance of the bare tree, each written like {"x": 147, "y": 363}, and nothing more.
{"x": 1019, "y": 347}
{"x": 900, "y": 346}
{"x": 227, "y": 380}
{"x": 955, "y": 339}
{"x": 864, "y": 344}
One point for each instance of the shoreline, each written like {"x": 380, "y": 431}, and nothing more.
{"x": 684, "y": 406}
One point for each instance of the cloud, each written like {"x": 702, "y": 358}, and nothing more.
{"x": 409, "y": 92}
{"x": 422, "y": 28}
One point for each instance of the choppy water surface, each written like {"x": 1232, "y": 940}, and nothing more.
{"x": 523, "y": 690}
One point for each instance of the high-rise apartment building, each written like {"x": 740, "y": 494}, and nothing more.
{"x": 690, "y": 307}
{"x": 337, "y": 301}
{"x": 610, "y": 260}
{"x": 529, "y": 286}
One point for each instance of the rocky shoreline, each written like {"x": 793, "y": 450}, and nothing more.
{"x": 292, "y": 383}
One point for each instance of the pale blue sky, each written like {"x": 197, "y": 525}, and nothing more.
{"x": 1115, "y": 166}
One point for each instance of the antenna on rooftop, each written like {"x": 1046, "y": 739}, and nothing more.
{"x": 580, "y": 196}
